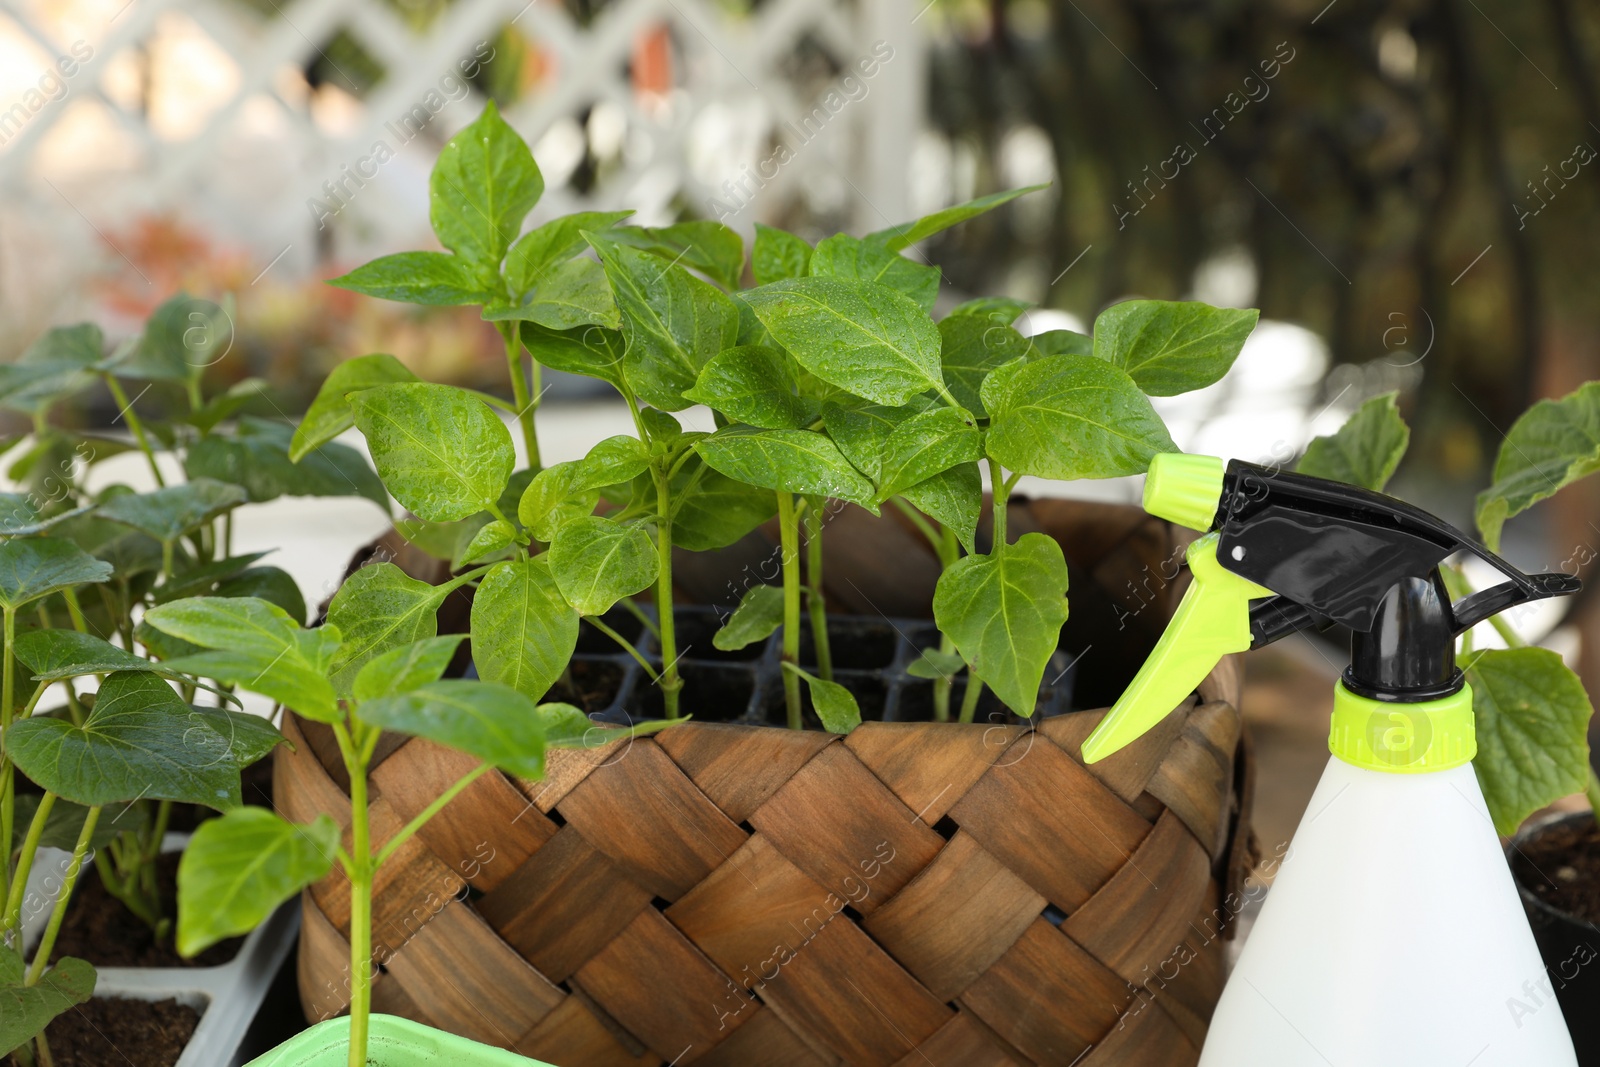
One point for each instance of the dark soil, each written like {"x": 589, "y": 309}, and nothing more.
{"x": 711, "y": 693}
{"x": 124, "y": 1033}
{"x": 1561, "y": 866}
{"x": 99, "y": 929}
{"x": 589, "y": 684}
{"x": 856, "y": 644}
{"x": 592, "y": 641}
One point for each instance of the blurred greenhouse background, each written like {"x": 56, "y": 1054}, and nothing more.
{"x": 1406, "y": 188}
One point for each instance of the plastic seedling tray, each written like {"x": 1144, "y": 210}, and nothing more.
{"x": 227, "y": 995}
{"x": 870, "y": 658}
{"x": 392, "y": 1042}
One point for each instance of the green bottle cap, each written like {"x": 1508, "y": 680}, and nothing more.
{"x": 1184, "y": 489}
{"x": 1432, "y": 735}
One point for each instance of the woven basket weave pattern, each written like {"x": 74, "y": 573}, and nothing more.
{"x": 914, "y": 893}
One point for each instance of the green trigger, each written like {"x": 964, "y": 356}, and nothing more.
{"x": 1212, "y": 621}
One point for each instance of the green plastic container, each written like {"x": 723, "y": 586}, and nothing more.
{"x": 391, "y": 1042}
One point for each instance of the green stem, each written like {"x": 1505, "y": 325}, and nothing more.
{"x": 166, "y": 561}
{"x": 359, "y": 869}
{"x": 639, "y": 613}
{"x": 789, "y": 531}
{"x": 427, "y": 813}
{"x": 969, "y": 702}
{"x": 1591, "y": 789}
{"x": 1002, "y": 493}
{"x": 123, "y": 890}
{"x": 8, "y": 791}
{"x": 626, "y": 645}
{"x": 921, "y": 523}
{"x": 949, "y": 552}
{"x": 75, "y": 609}
{"x": 816, "y": 603}
{"x": 519, "y": 390}
{"x": 47, "y": 943}
{"x": 30, "y": 847}
{"x": 135, "y": 425}
{"x": 669, "y": 681}
{"x": 1507, "y": 634}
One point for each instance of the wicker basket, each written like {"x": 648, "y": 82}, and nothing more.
{"x": 914, "y": 893}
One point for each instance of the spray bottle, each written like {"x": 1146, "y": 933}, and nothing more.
{"x": 1392, "y": 935}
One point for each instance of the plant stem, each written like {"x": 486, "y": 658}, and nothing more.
{"x": 75, "y": 609}
{"x": 789, "y": 538}
{"x": 48, "y": 943}
{"x": 30, "y": 847}
{"x": 816, "y": 603}
{"x": 1002, "y": 493}
{"x": 669, "y": 681}
{"x": 519, "y": 391}
{"x": 134, "y": 425}
{"x": 969, "y": 702}
{"x": 7, "y": 777}
{"x": 359, "y": 869}
{"x": 427, "y": 813}
{"x": 627, "y": 646}
{"x": 949, "y": 552}
{"x": 639, "y": 613}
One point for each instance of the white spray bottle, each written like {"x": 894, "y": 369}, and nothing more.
{"x": 1393, "y": 935}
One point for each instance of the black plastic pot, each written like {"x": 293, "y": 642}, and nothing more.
{"x": 1570, "y": 946}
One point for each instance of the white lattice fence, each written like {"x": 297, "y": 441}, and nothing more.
{"x": 201, "y": 109}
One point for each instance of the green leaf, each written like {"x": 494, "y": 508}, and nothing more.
{"x": 851, "y": 259}
{"x": 180, "y": 339}
{"x": 245, "y": 738}
{"x": 1532, "y": 716}
{"x": 330, "y": 414}
{"x": 65, "y": 822}
{"x": 19, "y": 517}
{"x": 1062, "y": 343}
{"x": 433, "y": 278}
{"x": 408, "y": 667}
{"x": 523, "y": 629}
{"x": 758, "y": 616}
{"x": 140, "y": 741}
{"x": 236, "y": 870}
{"x": 866, "y": 339}
{"x": 909, "y": 233}
{"x": 709, "y": 509}
{"x": 755, "y": 385}
{"x": 794, "y": 461}
{"x": 256, "y": 456}
{"x": 1004, "y": 613}
{"x": 203, "y": 579}
{"x": 834, "y": 704}
{"x": 52, "y": 655}
{"x": 482, "y": 186}
{"x": 862, "y": 430}
{"x": 1170, "y": 347}
{"x": 55, "y": 366}
{"x": 703, "y": 245}
{"x": 778, "y": 255}
{"x": 226, "y": 404}
{"x": 592, "y": 351}
{"x": 567, "y": 727}
{"x": 935, "y": 664}
{"x": 596, "y": 562}
{"x": 662, "y": 429}
{"x": 491, "y": 538}
{"x": 26, "y": 1010}
{"x": 494, "y": 722}
{"x": 570, "y": 295}
{"x": 34, "y": 567}
{"x": 970, "y": 347}
{"x": 1073, "y": 417}
{"x": 378, "y": 608}
{"x": 557, "y": 241}
{"x": 442, "y": 452}
{"x": 997, "y": 385}
{"x": 272, "y": 584}
{"x": 954, "y": 498}
{"x": 612, "y": 461}
{"x": 925, "y": 445}
{"x": 1552, "y": 445}
{"x": 1000, "y": 310}
{"x": 1365, "y": 450}
{"x": 169, "y": 513}
{"x": 672, "y": 321}
{"x": 567, "y": 491}
{"x": 257, "y": 645}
